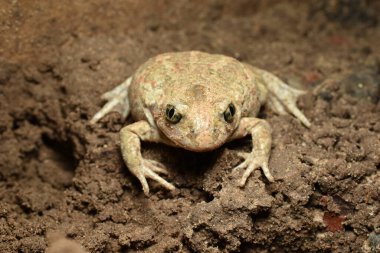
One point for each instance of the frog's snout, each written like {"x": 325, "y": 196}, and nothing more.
{"x": 205, "y": 140}
{"x": 202, "y": 141}
{"x": 203, "y": 134}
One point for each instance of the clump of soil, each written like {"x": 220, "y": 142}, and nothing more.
{"x": 61, "y": 175}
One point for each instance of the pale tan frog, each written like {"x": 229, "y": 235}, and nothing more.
{"x": 197, "y": 101}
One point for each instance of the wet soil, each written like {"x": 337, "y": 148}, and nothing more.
{"x": 61, "y": 177}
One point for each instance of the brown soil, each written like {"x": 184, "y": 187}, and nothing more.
{"x": 61, "y": 175}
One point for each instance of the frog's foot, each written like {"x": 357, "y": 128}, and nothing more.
{"x": 149, "y": 169}
{"x": 252, "y": 162}
{"x": 280, "y": 97}
{"x": 130, "y": 144}
{"x": 283, "y": 100}
{"x": 117, "y": 101}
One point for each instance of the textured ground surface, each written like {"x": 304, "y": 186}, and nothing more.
{"x": 61, "y": 177}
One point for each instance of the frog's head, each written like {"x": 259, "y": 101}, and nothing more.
{"x": 198, "y": 127}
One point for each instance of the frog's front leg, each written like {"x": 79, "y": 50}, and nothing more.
{"x": 131, "y": 137}
{"x": 260, "y": 132}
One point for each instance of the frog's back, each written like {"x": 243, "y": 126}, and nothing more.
{"x": 190, "y": 75}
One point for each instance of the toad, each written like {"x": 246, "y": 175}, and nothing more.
{"x": 197, "y": 101}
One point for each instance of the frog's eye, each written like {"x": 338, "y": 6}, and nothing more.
{"x": 172, "y": 115}
{"x": 229, "y": 113}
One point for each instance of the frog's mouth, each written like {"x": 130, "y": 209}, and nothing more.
{"x": 202, "y": 142}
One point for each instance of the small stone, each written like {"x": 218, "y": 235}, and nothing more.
{"x": 374, "y": 242}
{"x": 333, "y": 222}
{"x": 363, "y": 84}
{"x": 325, "y": 95}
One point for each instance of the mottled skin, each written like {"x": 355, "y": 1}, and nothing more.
{"x": 197, "y": 101}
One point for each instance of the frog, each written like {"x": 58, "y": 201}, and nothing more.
{"x": 198, "y": 101}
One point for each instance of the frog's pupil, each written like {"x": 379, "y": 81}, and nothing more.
{"x": 232, "y": 109}
{"x": 171, "y": 113}
{"x": 229, "y": 113}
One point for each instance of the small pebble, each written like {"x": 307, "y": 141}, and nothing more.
{"x": 363, "y": 84}
{"x": 374, "y": 242}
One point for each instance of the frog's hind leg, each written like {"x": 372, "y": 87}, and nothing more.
{"x": 280, "y": 97}
{"x": 117, "y": 101}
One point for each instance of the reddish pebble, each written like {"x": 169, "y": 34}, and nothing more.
{"x": 333, "y": 221}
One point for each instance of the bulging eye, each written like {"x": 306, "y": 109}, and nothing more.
{"x": 229, "y": 113}
{"x": 172, "y": 115}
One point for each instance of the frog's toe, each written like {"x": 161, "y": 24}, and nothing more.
{"x": 264, "y": 166}
{"x": 243, "y": 165}
{"x": 247, "y": 173}
{"x": 243, "y": 155}
{"x": 297, "y": 112}
{"x": 115, "y": 92}
{"x": 149, "y": 170}
{"x": 275, "y": 104}
{"x": 156, "y": 166}
{"x": 144, "y": 183}
{"x": 153, "y": 175}
{"x": 117, "y": 101}
{"x": 288, "y": 104}
{"x": 115, "y": 105}
{"x": 250, "y": 163}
